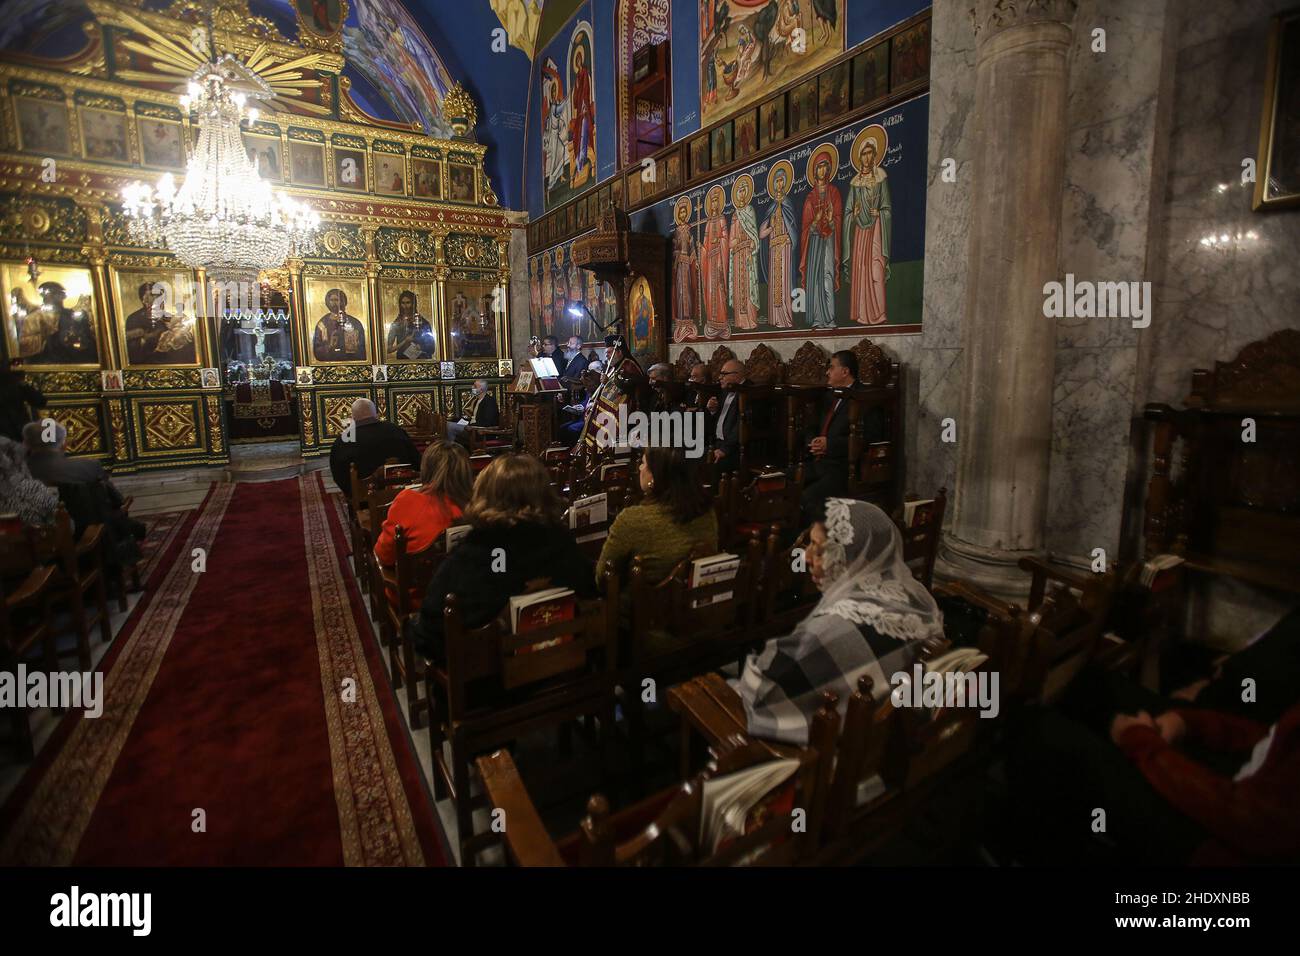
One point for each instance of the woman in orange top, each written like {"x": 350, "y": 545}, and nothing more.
{"x": 423, "y": 513}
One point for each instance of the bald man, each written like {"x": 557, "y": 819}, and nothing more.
{"x": 369, "y": 444}
{"x": 724, "y": 437}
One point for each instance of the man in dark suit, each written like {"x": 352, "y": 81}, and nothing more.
{"x": 826, "y": 469}
{"x": 572, "y": 371}
{"x": 369, "y": 442}
{"x": 480, "y": 409}
{"x": 724, "y": 438}
{"x": 551, "y": 350}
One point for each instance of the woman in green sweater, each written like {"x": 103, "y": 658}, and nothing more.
{"x": 677, "y": 514}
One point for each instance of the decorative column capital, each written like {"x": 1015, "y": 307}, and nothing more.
{"x": 990, "y": 17}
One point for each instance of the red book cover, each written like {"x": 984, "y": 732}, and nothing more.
{"x": 542, "y": 614}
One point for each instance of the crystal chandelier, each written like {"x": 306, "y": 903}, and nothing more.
{"x": 224, "y": 218}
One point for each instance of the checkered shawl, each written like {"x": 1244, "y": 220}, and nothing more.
{"x": 782, "y": 686}
{"x": 871, "y": 605}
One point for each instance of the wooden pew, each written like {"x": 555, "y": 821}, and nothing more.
{"x": 486, "y": 693}
{"x": 665, "y": 829}
{"x": 921, "y": 539}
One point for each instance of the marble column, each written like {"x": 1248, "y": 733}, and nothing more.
{"x": 1004, "y": 428}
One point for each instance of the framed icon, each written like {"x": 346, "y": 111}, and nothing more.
{"x": 350, "y": 169}
{"x": 157, "y": 317}
{"x": 390, "y": 174}
{"x": 161, "y": 142}
{"x": 475, "y": 310}
{"x": 103, "y": 135}
{"x": 337, "y": 311}
{"x": 264, "y": 151}
{"x": 307, "y": 163}
{"x": 404, "y": 309}
{"x": 52, "y": 320}
{"x": 42, "y": 125}
{"x": 426, "y": 178}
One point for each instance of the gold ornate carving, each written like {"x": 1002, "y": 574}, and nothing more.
{"x": 415, "y": 371}
{"x": 479, "y": 252}
{"x": 409, "y": 405}
{"x": 307, "y": 412}
{"x": 459, "y": 108}
{"x": 155, "y": 378}
{"x": 405, "y": 245}
{"x": 168, "y": 425}
{"x": 117, "y": 425}
{"x": 341, "y": 374}
{"x": 46, "y": 219}
{"x": 216, "y": 438}
{"x": 82, "y": 423}
{"x": 63, "y": 383}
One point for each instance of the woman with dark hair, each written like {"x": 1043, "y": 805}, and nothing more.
{"x": 423, "y": 513}
{"x": 676, "y": 516}
{"x": 516, "y": 538}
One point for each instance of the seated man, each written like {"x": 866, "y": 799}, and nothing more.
{"x": 371, "y": 443}
{"x": 575, "y": 365}
{"x": 84, "y": 488}
{"x": 571, "y": 431}
{"x": 661, "y": 375}
{"x": 479, "y": 409}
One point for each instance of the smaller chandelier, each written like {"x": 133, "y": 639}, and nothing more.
{"x": 224, "y": 218}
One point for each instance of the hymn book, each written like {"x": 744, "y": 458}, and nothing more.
{"x": 530, "y": 612}
{"x": 585, "y": 512}
{"x": 712, "y": 570}
{"x": 453, "y": 535}
{"x": 917, "y": 513}
{"x": 726, "y": 802}
{"x": 1153, "y": 572}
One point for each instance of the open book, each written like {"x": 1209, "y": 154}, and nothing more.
{"x": 585, "y": 512}
{"x": 726, "y": 802}
{"x": 453, "y": 535}
{"x": 1153, "y": 570}
{"x": 959, "y": 660}
{"x": 544, "y": 367}
{"x": 530, "y": 612}
{"x": 917, "y": 513}
{"x": 711, "y": 570}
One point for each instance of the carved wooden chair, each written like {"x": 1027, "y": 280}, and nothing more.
{"x": 921, "y": 538}
{"x": 666, "y": 828}
{"x": 495, "y": 686}
{"x": 769, "y": 501}
{"x": 403, "y": 594}
{"x": 26, "y": 630}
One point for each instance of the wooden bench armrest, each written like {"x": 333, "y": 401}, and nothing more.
{"x": 89, "y": 539}
{"x": 31, "y": 588}
{"x": 525, "y": 837}
{"x": 976, "y": 597}
{"x": 1040, "y": 569}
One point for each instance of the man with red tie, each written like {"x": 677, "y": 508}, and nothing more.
{"x": 826, "y": 469}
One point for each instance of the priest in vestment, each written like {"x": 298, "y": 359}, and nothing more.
{"x": 819, "y": 266}
{"x": 867, "y": 222}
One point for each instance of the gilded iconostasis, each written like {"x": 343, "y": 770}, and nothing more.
{"x": 150, "y": 363}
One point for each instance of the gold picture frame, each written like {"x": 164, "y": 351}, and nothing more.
{"x": 426, "y": 178}
{"x": 1279, "y": 125}
{"x": 306, "y": 163}
{"x": 390, "y": 174}
{"x": 404, "y": 346}
{"x": 341, "y": 155}
{"x": 104, "y": 136}
{"x": 474, "y": 312}
{"x": 158, "y": 317}
{"x": 50, "y": 328}
{"x": 339, "y": 336}
{"x": 162, "y": 142}
{"x": 43, "y": 125}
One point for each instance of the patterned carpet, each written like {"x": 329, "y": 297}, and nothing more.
{"x": 247, "y": 719}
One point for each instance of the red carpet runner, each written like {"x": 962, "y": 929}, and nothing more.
{"x": 225, "y": 693}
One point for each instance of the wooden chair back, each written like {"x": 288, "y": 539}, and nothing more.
{"x": 770, "y": 500}
{"x": 921, "y": 538}
{"x": 666, "y": 828}
{"x": 414, "y": 570}
{"x": 517, "y": 661}
{"x": 1070, "y": 626}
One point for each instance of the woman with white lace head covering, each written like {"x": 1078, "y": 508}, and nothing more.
{"x": 872, "y": 619}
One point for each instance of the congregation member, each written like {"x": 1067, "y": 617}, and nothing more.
{"x": 675, "y": 516}
{"x": 19, "y": 401}
{"x": 660, "y": 376}
{"x": 480, "y": 409}
{"x": 424, "y": 513}
{"x": 724, "y": 436}
{"x": 551, "y": 349}
{"x": 575, "y": 364}
{"x": 85, "y": 489}
{"x": 826, "y": 469}
{"x": 871, "y": 619}
{"x": 373, "y": 442}
{"x": 571, "y": 431}
{"x": 516, "y": 537}
{"x": 20, "y": 493}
